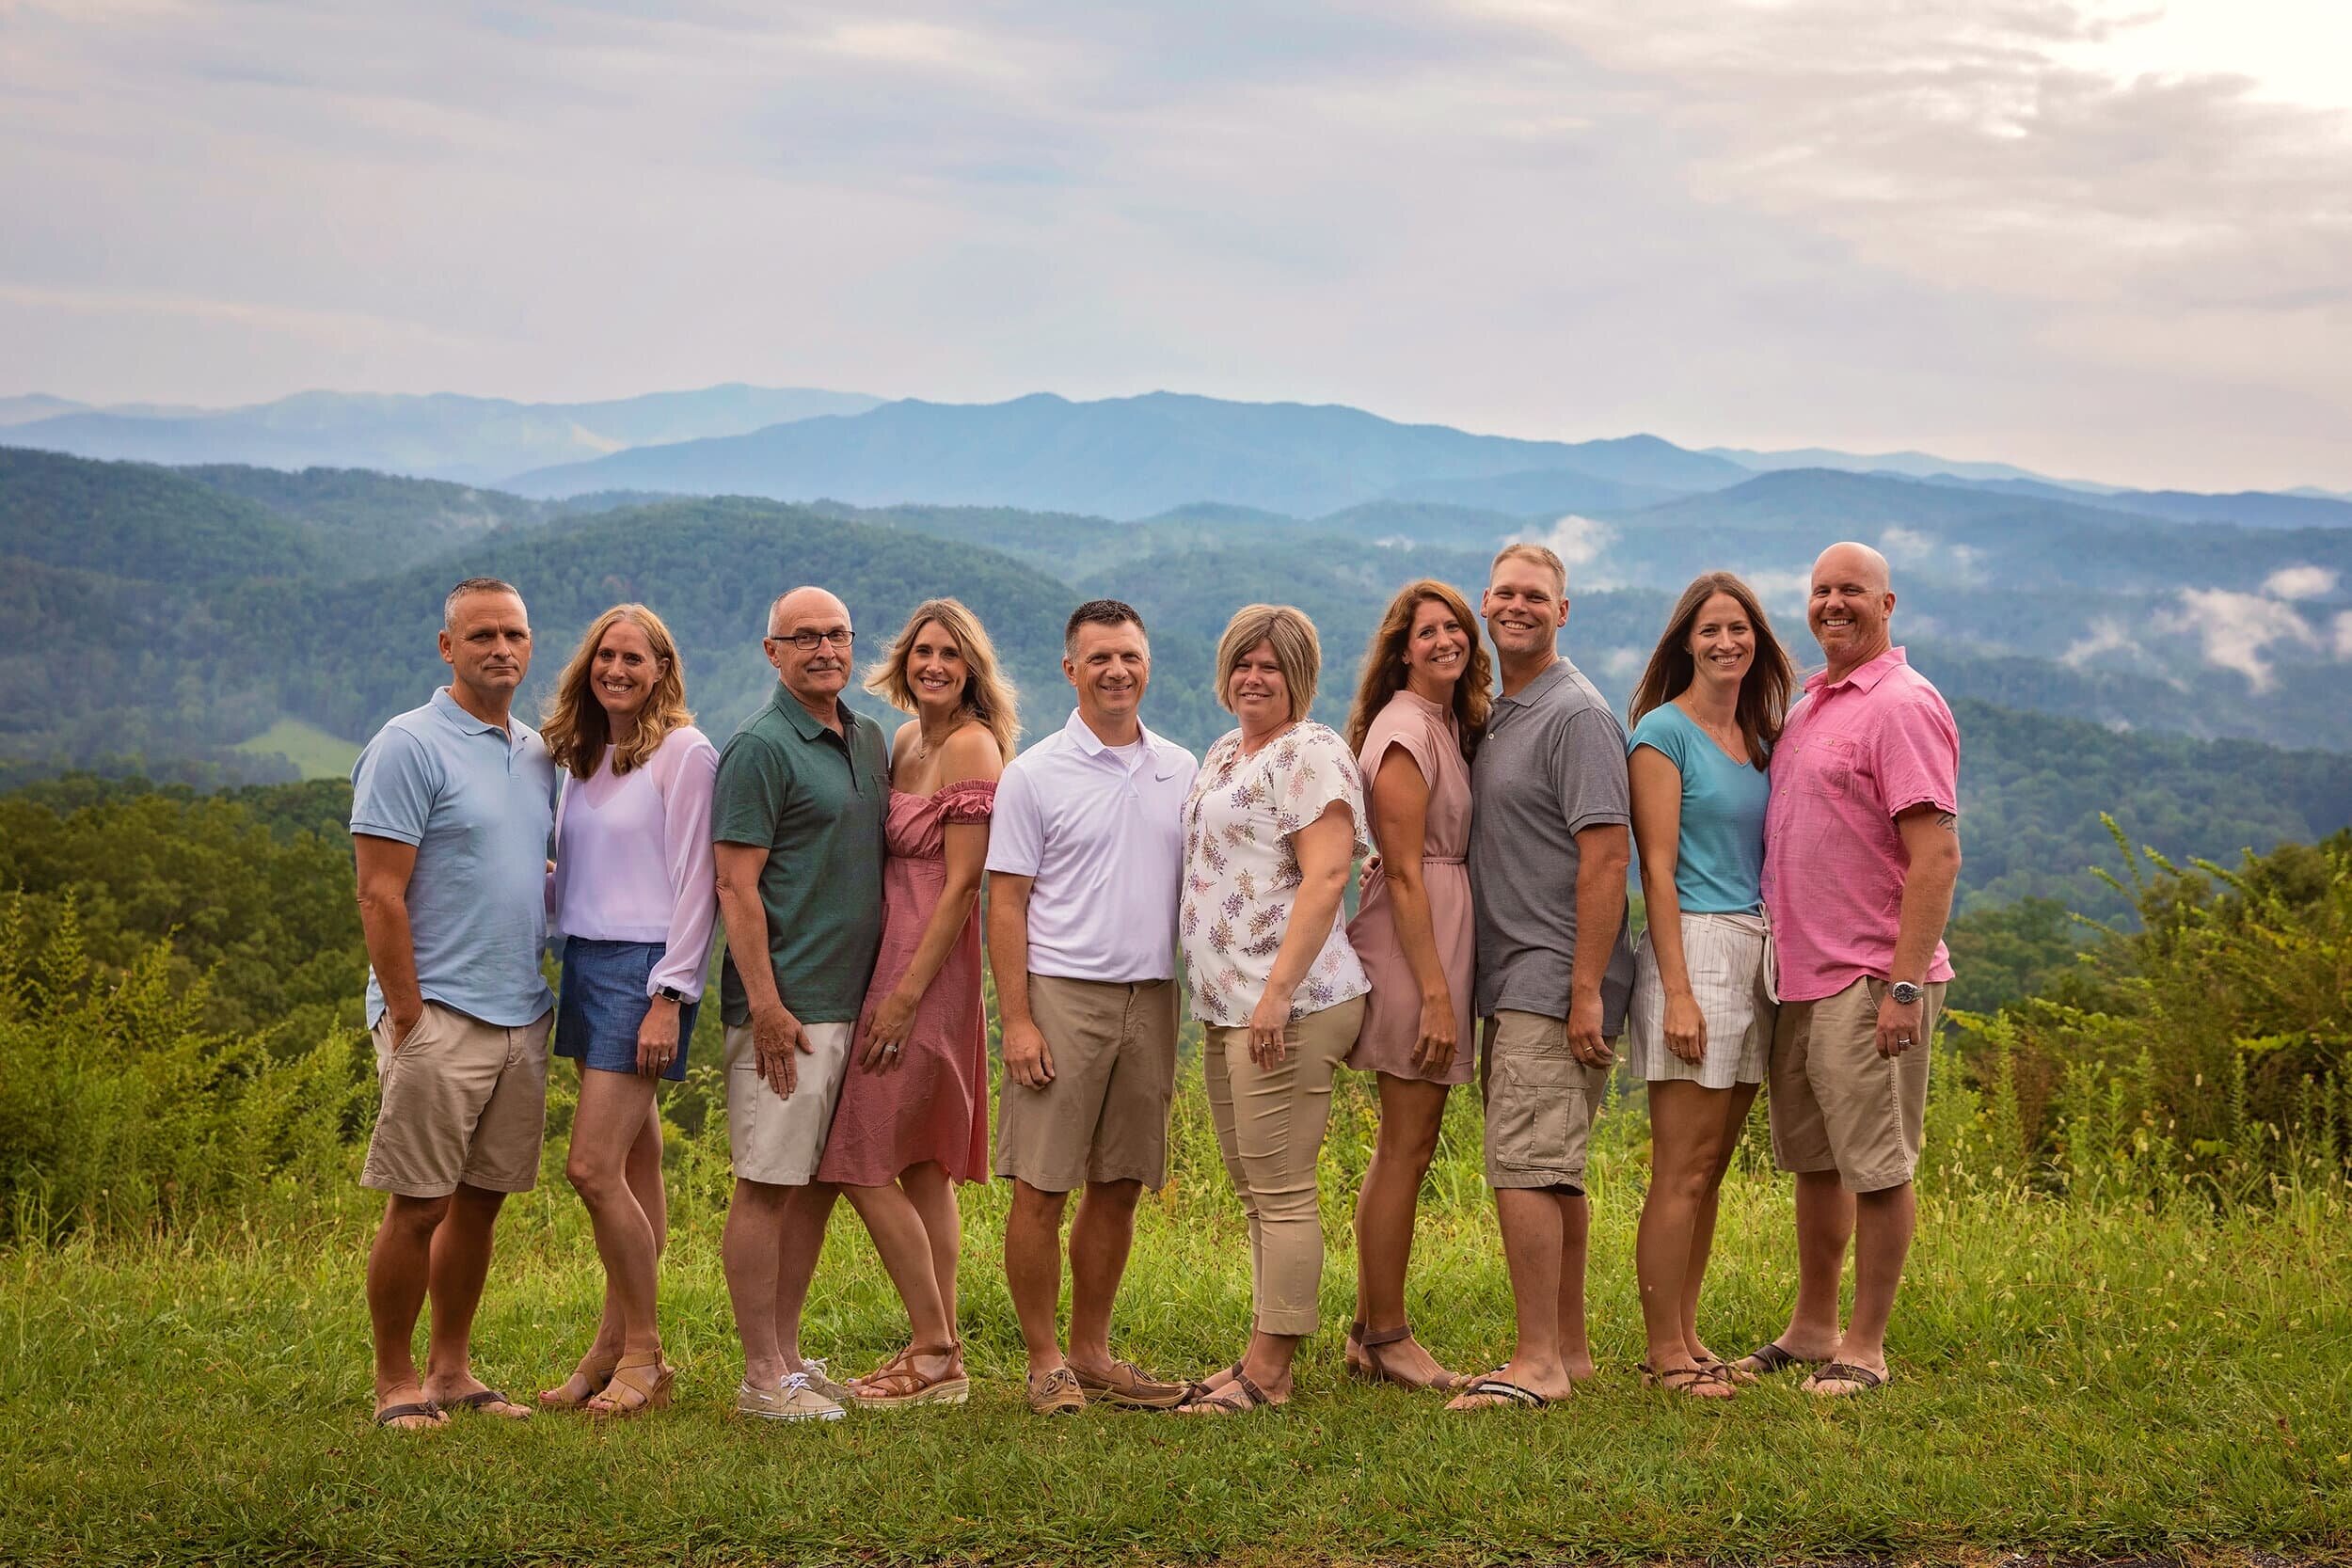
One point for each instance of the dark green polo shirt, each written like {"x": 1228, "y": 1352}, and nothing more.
{"x": 816, "y": 802}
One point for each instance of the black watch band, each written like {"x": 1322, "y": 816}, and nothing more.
{"x": 671, "y": 994}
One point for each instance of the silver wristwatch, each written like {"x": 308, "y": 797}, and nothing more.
{"x": 1905, "y": 992}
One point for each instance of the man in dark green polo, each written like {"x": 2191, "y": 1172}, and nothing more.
{"x": 803, "y": 790}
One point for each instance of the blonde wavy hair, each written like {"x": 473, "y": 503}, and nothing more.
{"x": 574, "y": 727}
{"x": 989, "y": 694}
{"x": 1297, "y": 652}
{"x": 1384, "y": 673}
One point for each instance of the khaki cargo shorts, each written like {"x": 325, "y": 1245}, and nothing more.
{"x": 1103, "y": 1117}
{"x": 772, "y": 1138}
{"x": 1540, "y": 1103}
{"x": 464, "y": 1101}
{"x": 1834, "y": 1102}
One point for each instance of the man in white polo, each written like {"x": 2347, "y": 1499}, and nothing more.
{"x": 1085, "y": 858}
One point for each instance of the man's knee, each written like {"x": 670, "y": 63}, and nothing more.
{"x": 1113, "y": 1198}
{"x": 1035, "y": 1206}
{"x": 412, "y": 1218}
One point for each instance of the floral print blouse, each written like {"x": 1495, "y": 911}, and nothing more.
{"x": 1241, "y": 876}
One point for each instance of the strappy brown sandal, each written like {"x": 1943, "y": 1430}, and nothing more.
{"x": 1372, "y": 1368}
{"x": 1224, "y": 1402}
{"x": 639, "y": 1384}
{"x": 1773, "y": 1357}
{"x": 586, "y": 1382}
{"x": 897, "y": 1382}
{"x": 1862, "y": 1379}
{"x": 1693, "y": 1381}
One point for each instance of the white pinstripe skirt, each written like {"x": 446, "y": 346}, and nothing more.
{"x": 1729, "y": 957}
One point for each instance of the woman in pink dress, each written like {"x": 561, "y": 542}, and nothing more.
{"x": 913, "y": 1117}
{"x": 1420, "y": 706}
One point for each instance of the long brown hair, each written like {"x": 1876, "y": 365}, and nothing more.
{"x": 576, "y": 729}
{"x": 1384, "y": 673}
{"x": 1763, "y": 706}
{"x": 989, "y": 695}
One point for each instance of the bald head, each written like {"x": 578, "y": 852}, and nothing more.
{"x": 1850, "y": 605}
{"x": 814, "y": 606}
{"x": 1856, "y": 562}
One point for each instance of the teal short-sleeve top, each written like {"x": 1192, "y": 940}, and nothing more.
{"x": 1719, "y": 862}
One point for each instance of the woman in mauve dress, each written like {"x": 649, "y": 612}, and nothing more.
{"x": 1420, "y": 706}
{"x": 913, "y": 1117}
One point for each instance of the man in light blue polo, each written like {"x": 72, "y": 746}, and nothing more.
{"x": 452, "y": 805}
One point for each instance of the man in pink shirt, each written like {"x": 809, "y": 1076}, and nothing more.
{"x": 1861, "y": 853}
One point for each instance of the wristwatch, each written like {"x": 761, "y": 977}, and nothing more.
{"x": 1905, "y": 992}
{"x": 671, "y": 994}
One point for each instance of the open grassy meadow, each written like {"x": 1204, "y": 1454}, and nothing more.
{"x": 2076, "y": 1379}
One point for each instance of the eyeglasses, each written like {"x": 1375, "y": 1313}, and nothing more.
{"x": 808, "y": 641}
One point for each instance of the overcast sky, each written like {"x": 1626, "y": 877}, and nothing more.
{"x": 2103, "y": 238}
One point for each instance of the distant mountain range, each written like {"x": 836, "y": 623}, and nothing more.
{"x": 442, "y": 436}
{"x": 1134, "y": 457}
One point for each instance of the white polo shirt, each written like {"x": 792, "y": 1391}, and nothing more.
{"x": 1101, "y": 837}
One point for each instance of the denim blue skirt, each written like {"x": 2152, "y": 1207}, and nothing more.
{"x": 601, "y": 1000}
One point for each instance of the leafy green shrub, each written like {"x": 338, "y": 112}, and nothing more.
{"x": 120, "y": 1112}
{"x": 2209, "y": 1047}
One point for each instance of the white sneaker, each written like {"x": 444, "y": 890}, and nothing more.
{"x": 793, "y": 1400}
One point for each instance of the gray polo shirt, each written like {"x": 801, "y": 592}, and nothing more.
{"x": 479, "y": 804}
{"x": 1552, "y": 763}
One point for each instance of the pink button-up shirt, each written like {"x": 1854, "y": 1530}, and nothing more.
{"x": 1856, "y": 754}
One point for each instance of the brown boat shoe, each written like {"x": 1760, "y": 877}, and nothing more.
{"x": 1056, "y": 1394}
{"x": 1132, "y": 1387}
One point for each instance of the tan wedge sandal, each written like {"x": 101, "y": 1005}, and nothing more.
{"x": 640, "y": 1383}
{"x": 586, "y": 1382}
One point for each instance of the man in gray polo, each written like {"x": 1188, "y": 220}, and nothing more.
{"x": 450, "y": 811}
{"x": 1550, "y": 838}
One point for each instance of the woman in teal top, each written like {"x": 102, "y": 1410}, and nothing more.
{"x": 1704, "y": 720}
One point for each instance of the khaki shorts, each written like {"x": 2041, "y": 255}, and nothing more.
{"x": 1540, "y": 1103}
{"x": 1103, "y": 1117}
{"x": 1834, "y": 1102}
{"x": 464, "y": 1101}
{"x": 773, "y": 1139}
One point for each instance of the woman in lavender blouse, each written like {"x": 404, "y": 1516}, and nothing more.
{"x": 634, "y": 894}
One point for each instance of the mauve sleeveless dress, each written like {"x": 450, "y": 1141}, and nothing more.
{"x": 1392, "y": 1013}
{"x": 933, "y": 1104}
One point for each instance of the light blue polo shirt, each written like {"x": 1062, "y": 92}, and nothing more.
{"x": 479, "y": 804}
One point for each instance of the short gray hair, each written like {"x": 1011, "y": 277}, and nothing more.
{"x": 473, "y": 585}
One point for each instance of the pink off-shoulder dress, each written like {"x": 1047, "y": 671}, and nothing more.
{"x": 933, "y": 1104}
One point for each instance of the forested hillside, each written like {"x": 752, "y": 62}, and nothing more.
{"x": 157, "y": 619}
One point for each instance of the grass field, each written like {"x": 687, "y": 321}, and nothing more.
{"x": 317, "y": 754}
{"x": 2070, "y": 1379}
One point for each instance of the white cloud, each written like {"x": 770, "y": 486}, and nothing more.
{"x": 2301, "y": 582}
{"x": 2238, "y": 630}
{"x": 1623, "y": 664}
{"x": 1579, "y": 542}
{"x": 1977, "y": 226}
{"x": 2106, "y": 636}
{"x": 1929, "y": 552}
{"x": 2343, "y": 634}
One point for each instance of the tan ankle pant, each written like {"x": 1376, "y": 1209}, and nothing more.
{"x": 1270, "y": 1123}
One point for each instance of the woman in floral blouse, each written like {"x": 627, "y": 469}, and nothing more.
{"x": 1275, "y": 819}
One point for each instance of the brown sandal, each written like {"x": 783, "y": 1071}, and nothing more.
{"x": 896, "y": 1383}
{"x": 639, "y": 1384}
{"x": 1223, "y": 1402}
{"x": 1372, "y": 1368}
{"x": 589, "y": 1378}
{"x": 1690, "y": 1380}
